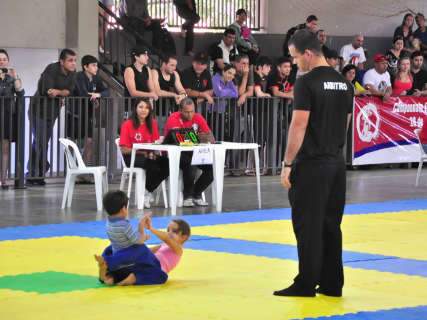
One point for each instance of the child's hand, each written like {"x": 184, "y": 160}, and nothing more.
{"x": 145, "y": 221}
{"x": 148, "y": 224}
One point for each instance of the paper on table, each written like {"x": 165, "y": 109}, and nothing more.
{"x": 202, "y": 155}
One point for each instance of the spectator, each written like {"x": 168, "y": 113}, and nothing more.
{"x": 186, "y": 117}
{"x": 197, "y": 80}
{"x": 135, "y": 14}
{"x": 281, "y": 83}
{"x": 223, "y": 87}
{"x": 332, "y": 58}
{"x": 262, "y": 110}
{"x": 405, "y": 30}
{"x": 10, "y": 89}
{"x": 377, "y": 79}
{"x": 311, "y": 23}
{"x": 56, "y": 82}
{"x": 421, "y": 32}
{"x": 187, "y": 10}
{"x": 142, "y": 128}
{"x": 81, "y": 122}
{"x": 262, "y": 71}
{"x": 138, "y": 80}
{"x": 394, "y": 54}
{"x": 223, "y": 52}
{"x": 354, "y": 53}
{"x": 167, "y": 82}
{"x": 321, "y": 36}
{"x": 349, "y": 73}
{"x": 244, "y": 78}
{"x": 246, "y": 43}
{"x": 403, "y": 80}
{"x": 103, "y": 24}
{"x": 419, "y": 76}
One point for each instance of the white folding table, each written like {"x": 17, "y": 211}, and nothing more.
{"x": 174, "y": 154}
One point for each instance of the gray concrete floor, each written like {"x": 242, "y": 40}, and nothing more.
{"x": 42, "y": 205}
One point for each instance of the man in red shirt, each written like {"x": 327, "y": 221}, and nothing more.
{"x": 186, "y": 117}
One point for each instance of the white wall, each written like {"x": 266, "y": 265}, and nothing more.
{"x": 32, "y": 23}
{"x": 47, "y": 24}
{"x": 375, "y": 18}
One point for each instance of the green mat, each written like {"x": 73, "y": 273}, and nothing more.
{"x": 49, "y": 282}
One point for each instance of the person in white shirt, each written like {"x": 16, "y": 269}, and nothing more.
{"x": 224, "y": 52}
{"x": 354, "y": 53}
{"x": 377, "y": 79}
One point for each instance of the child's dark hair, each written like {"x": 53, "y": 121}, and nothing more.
{"x": 227, "y": 67}
{"x": 183, "y": 227}
{"x": 114, "y": 201}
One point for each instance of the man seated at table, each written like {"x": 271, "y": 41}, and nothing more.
{"x": 186, "y": 117}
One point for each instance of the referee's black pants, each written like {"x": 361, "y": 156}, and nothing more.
{"x": 317, "y": 197}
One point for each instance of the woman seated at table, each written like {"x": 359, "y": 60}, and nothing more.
{"x": 141, "y": 127}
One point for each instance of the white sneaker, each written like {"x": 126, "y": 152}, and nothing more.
{"x": 188, "y": 203}
{"x": 200, "y": 202}
{"x": 151, "y": 194}
{"x": 147, "y": 203}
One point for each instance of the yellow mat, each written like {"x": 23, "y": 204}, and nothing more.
{"x": 394, "y": 234}
{"x": 205, "y": 286}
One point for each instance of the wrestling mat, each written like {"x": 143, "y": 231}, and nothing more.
{"x": 231, "y": 266}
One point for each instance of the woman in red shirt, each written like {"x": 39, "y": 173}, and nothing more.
{"x": 403, "y": 81}
{"x": 142, "y": 128}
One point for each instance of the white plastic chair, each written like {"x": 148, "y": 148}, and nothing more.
{"x": 423, "y": 157}
{"x": 76, "y": 167}
{"x": 139, "y": 182}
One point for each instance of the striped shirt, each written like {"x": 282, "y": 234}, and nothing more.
{"x": 121, "y": 233}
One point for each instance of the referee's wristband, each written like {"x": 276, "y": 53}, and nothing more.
{"x": 286, "y": 165}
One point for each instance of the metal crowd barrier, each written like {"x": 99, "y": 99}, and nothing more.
{"x": 31, "y": 128}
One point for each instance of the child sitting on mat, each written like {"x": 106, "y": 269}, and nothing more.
{"x": 119, "y": 229}
{"x": 140, "y": 265}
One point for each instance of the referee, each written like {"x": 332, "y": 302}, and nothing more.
{"x": 314, "y": 169}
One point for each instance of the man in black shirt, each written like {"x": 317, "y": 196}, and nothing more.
{"x": 262, "y": 70}
{"x": 56, "y": 82}
{"x": 314, "y": 169}
{"x": 321, "y": 36}
{"x": 281, "y": 82}
{"x": 311, "y": 24}
{"x": 197, "y": 80}
{"x": 419, "y": 85}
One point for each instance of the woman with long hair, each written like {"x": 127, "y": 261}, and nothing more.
{"x": 394, "y": 54}
{"x": 141, "y": 127}
{"x": 405, "y": 30}
{"x": 10, "y": 89}
{"x": 349, "y": 73}
{"x": 403, "y": 80}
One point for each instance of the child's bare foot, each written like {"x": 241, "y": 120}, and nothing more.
{"x": 102, "y": 268}
{"x": 108, "y": 280}
{"x": 128, "y": 281}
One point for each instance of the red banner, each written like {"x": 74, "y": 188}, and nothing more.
{"x": 383, "y": 132}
